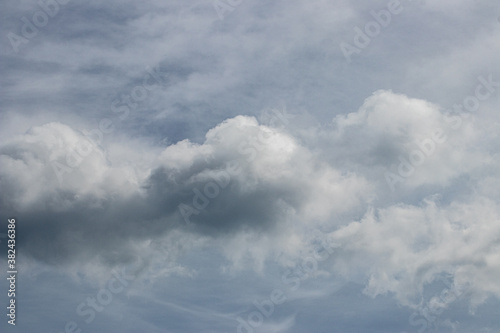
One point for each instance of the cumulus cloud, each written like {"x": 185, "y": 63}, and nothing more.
{"x": 402, "y": 249}
{"x": 262, "y": 193}
{"x": 406, "y": 142}
{"x": 245, "y": 176}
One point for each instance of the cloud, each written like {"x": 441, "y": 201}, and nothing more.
{"x": 402, "y": 249}
{"x": 406, "y": 142}
{"x": 260, "y": 194}
{"x": 245, "y": 176}
{"x": 378, "y": 159}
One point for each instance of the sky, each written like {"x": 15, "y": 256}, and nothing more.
{"x": 248, "y": 166}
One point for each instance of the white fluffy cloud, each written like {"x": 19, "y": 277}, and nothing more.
{"x": 403, "y": 248}
{"x": 407, "y": 142}
{"x": 269, "y": 194}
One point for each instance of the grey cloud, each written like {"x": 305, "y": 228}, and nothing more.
{"x": 92, "y": 210}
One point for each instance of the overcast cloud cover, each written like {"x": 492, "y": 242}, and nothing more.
{"x": 249, "y": 166}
